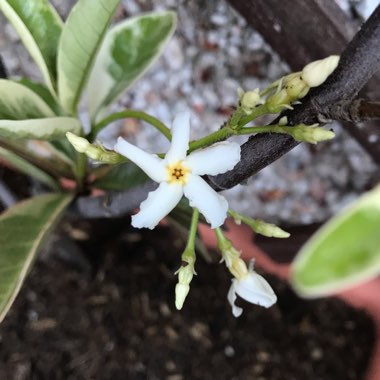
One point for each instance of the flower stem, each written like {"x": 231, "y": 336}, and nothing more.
{"x": 190, "y": 246}
{"x": 141, "y": 115}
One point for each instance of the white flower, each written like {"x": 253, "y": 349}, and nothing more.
{"x": 180, "y": 175}
{"x": 253, "y": 288}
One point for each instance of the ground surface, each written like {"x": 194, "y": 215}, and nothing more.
{"x": 119, "y": 322}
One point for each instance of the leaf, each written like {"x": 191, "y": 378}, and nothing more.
{"x": 27, "y": 168}
{"x": 343, "y": 253}
{"x": 42, "y": 129}
{"x": 23, "y": 229}
{"x": 44, "y": 93}
{"x": 81, "y": 37}
{"x": 18, "y": 102}
{"x": 121, "y": 177}
{"x": 128, "y": 50}
{"x": 41, "y": 154}
{"x": 39, "y": 27}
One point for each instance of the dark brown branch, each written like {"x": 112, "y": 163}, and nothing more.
{"x": 359, "y": 61}
{"x": 356, "y": 111}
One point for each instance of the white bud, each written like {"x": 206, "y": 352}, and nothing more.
{"x": 185, "y": 275}
{"x": 249, "y": 100}
{"x": 79, "y": 143}
{"x": 315, "y": 73}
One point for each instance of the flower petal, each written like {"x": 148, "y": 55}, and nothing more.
{"x": 212, "y": 205}
{"x": 180, "y": 137}
{"x": 158, "y": 204}
{"x": 255, "y": 289}
{"x": 215, "y": 159}
{"x": 231, "y": 296}
{"x": 152, "y": 165}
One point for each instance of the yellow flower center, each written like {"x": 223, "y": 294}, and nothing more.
{"x": 177, "y": 173}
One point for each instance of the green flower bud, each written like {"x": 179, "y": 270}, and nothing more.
{"x": 296, "y": 88}
{"x": 96, "y": 152}
{"x": 310, "y": 133}
{"x": 185, "y": 275}
{"x": 249, "y": 100}
{"x": 277, "y": 102}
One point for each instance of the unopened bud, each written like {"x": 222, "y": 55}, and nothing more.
{"x": 249, "y": 100}
{"x": 277, "y": 102}
{"x": 315, "y": 73}
{"x": 185, "y": 275}
{"x": 79, "y": 143}
{"x": 296, "y": 88}
{"x": 93, "y": 151}
{"x": 268, "y": 229}
{"x": 311, "y": 133}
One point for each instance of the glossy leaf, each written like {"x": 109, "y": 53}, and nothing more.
{"x": 127, "y": 52}
{"x": 121, "y": 177}
{"x": 27, "y": 168}
{"x": 39, "y": 27}
{"x": 80, "y": 40}
{"x": 18, "y": 102}
{"x": 44, "y": 93}
{"x": 343, "y": 253}
{"x": 23, "y": 229}
{"x": 41, "y": 129}
{"x": 41, "y": 154}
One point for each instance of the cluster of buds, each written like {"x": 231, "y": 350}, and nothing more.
{"x": 295, "y": 86}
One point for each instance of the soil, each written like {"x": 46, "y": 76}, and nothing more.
{"x": 115, "y": 319}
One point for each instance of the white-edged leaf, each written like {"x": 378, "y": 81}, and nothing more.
{"x": 81, "y": 37}
{"x": 41, "y": 129}
{"x": 128, "y": 50}
{"x": 39, "y": 27}
{"x": 343, "y": 253}
{"x": 23, "y": 229}
{"x": 27, "y": 168}
{"x": 18, "y": 102}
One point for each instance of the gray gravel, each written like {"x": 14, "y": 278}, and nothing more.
{"x": 212, "y": 53}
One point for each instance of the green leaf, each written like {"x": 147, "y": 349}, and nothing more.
{"x": 127, "y": 52}
{"x": 23, "y": 229}
{"x": 29, "y": 169}
{"x": 18, "y": 102}
{"x": 81, "y": 37}
{"x": 121, "y": 177}
{"x": 44, "y": 93}
{"x": 39, "y": 27}
{"x": 42, "y": 129}
{"x": 343, "y": 253}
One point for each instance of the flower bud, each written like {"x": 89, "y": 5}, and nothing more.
{"x": 277, "y": 102}
{"x": 268, "y": 229}
{"x": 315, "y": 73}
{"x": 97, "y": 153}
{"x": 311, "y": 133}
{"x": 79, "y": 143}
{"x": 296, "y": 88}
{"x": 185, "y": 275}
{"x": 249, "y": 100}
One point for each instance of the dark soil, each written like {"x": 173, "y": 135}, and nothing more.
{"x": 119, "y": 322}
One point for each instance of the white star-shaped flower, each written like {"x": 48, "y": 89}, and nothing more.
{"x": 253, "y": 288}
{"x": 179, "y": 174}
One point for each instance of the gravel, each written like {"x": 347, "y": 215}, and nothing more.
{"x": 212, "y": 53}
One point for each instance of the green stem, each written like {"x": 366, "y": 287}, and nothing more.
{"x": 80, "y": 170}
{"x": 259, "y": 111}
{"x": 131, "y": 114}
{"x": 190, "y": 246}
{"x": 214, "y": 137}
